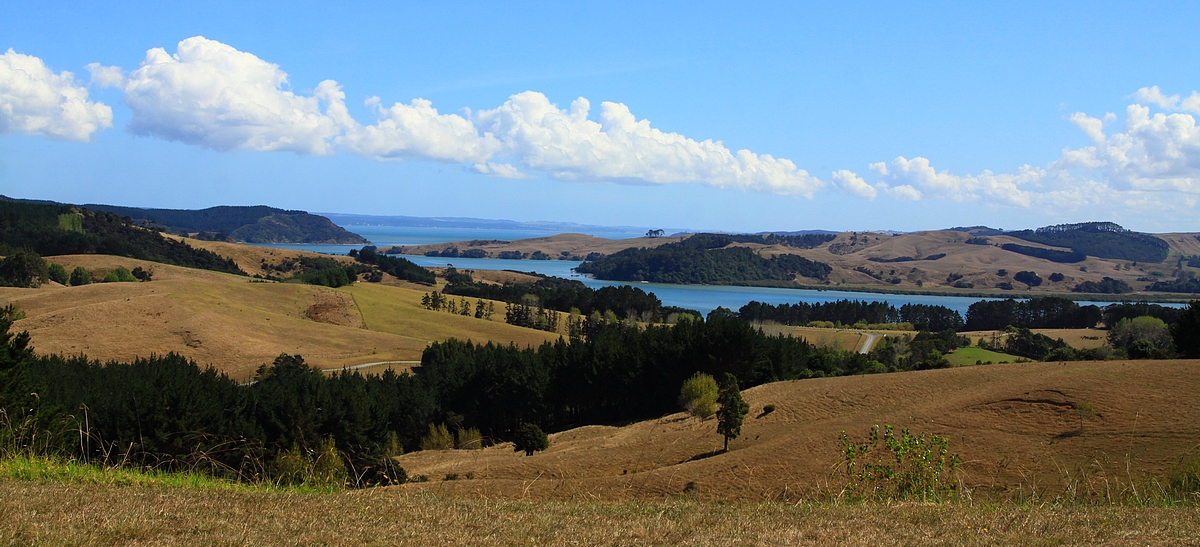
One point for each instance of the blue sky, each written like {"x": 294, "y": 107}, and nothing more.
{"x": 852, "y": 117}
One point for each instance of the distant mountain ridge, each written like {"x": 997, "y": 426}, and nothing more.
{"x": 247, "y": 224}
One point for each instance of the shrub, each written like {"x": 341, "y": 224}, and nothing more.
{"x": 119, "y": 275}
{"x": 1029, "y": 278}
{"x": 468, "y": 439}
{"x": 699, "y": 395}
{"x": 1057, "y": 277}
{"x": 905, "y": 467}
{"x": 530, "y": 438}
{"x": 58, "y": 274}
{"x": 439, "y": 438}
{"x": 80, "y": 276}
{"x": 1142, "y": 337}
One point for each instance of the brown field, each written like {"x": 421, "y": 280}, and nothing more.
{"x": 1032, "y": 430}
{"x": 34, "y": 513}
{"x": 235, "y": 324}
{"x": 1076, "y": 338}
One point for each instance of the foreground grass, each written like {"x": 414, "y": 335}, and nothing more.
{"x": 78, "y": 510}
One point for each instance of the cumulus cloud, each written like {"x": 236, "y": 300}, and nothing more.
{"x": 616, "y": 146}
{"x": 213, "y": 95}
{"x": 106, "y": 76}
{"x": 36, "y": 101}
{"x": 851, "y": 183}
{"x": 1154, "y": 95}
{"x": 416, "y": 130}
{"x": 502, "y": 170}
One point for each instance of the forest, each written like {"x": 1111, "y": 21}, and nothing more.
{"x": 1098, "y": 239}
{"x": 1040, "y": 312}
{"x": 703, "y": 259}
{"x": 1053, "y": 255}
{"x": 49, "y": 230}
{"x": 251, "y": 224}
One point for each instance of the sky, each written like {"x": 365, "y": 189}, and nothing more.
{"x": 747, "y": 116}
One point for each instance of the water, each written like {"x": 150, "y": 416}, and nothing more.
{"x": 702, "y": 298}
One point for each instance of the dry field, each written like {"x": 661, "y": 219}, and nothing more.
{"x": 33, "y": 513}
{"x": 1028, "y": 431}
{"x": 235, "y": 324}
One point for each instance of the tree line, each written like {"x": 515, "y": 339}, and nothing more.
{"x": 565, "y": 295}
{"x": 703, "y": 259}
{"x": 849, "y": 312}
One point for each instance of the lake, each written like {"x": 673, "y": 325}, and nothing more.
{"x": 702, "y": 298}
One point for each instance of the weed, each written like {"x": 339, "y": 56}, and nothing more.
{"x": 905, "y": 467}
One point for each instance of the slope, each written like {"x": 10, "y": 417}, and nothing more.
{"x": 1022, "y": 429}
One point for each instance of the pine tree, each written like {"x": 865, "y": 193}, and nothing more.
{"x": 733, "y": 409}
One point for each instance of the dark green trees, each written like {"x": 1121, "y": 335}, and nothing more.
{"x": 22, "y": 268}
{"x": 530, "y": 438}
{"x": 1186, "y": 332}
{"x": 80, "y": 276}
{"x": 57, "y": 273}
{"x": 733, "y": 409}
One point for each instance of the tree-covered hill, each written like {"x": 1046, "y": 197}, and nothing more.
{"x": 1099, "y": 239}
{"x": 703, "y": 259}
{"x": 251, "y": 224}
{"x": 256, "y": 224}
{"x": 61, "y": 229}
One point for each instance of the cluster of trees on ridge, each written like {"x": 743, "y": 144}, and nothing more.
{"x": 32, "y": 230}
{"x": 704, "y": 259}
{"x": 1099, "y": 239}
{"x": 250, "y": 224}
{"x": 849, "y": 312}
{"x": 567, "y": 295}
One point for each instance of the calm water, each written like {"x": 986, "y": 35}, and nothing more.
{"x": 703, "y": 298}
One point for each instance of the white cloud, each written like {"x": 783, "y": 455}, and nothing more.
{"x": 618, "y": 147}
{"x": 851, "y": 183}
{"x": 916, "y": 178}
{"x": 213, "y": 95}
{"x": 36, "y": 101}
{"x": 416, "y": 130}
{"x": 502, "y": 170}
{"x": 1154, "y": 95}
{"x": 106, "y": 76}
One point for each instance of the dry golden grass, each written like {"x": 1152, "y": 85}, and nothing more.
{"x": 1076, "y": 338}
{"x": 63, "y": 514}
{"x": 236, "y": 325}
{"x": 1040, "y": 430}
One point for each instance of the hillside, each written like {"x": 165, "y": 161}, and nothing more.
{"x": 250, "y": 224}
{"x": 940, "y": 262}
{"x": 235, "y": 324}
{"x": 1018, "y": 428}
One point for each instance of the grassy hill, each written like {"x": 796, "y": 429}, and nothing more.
{"x": 1024, "y": 431}
{"x": 235, "y": 324}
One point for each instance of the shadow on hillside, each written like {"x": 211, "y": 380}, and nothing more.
{"x": 704, "y": 455}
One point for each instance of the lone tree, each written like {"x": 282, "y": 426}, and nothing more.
{"x": 699, "y": 395}
{"x": 733, "y": 409}
{"x": 530, "y": 438}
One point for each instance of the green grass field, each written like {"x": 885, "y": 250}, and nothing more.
{"x": 973, "y": 354}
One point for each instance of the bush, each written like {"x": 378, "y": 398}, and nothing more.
{"x": 1029, "y": 278}
{"x": 530, "y": 438}
{"x": 119, "y": 275}
{"x": 58, "y": 274}
{"x": 699, "y": 395}
{"x": 908, "y": 467}
{"x": 22, "y": 269}
{"x": 80, "y": 276}
{"x": 1142, "y": 337}
{"x": 468, "y": 439}
{"x": 439, "y": 438}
